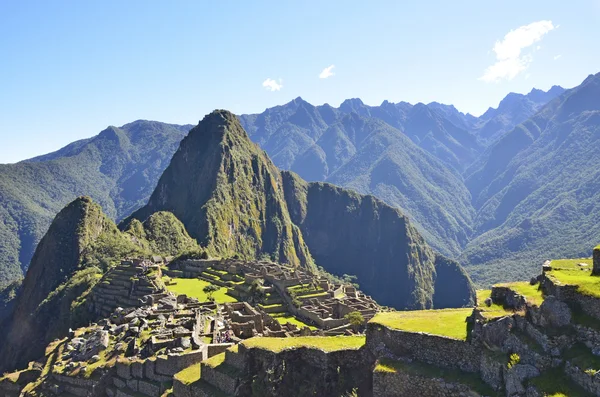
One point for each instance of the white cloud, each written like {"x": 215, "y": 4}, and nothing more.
{"x": 510, "y": 61}
{"x": 527, "y": 76}
{"x": 327, "y": 72}
{"x": 557, "y": 57}
{"x": 273, "y": 85}
{"x": 538, "y": 47}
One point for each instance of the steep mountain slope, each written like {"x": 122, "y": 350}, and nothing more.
{"x": 228, "y": 194}
{"x": 118, "y": 168}
{"x": 542, "y": 199}
{"x": 391, "y": 167}
{"x": 234, "y": 201}
{"x": 350, "y": 233}
{"x": 357, "y": 146}
{"x": 79, "y": 245}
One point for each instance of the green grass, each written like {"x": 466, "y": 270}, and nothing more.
{"x": 315, "y": 295}
{"x": 566, "y": 271}
{"x": 449, "y": 375}
{"x": 215, "y": 361}
{"x": 283, "y": 318}
{"x": 326, "y": 343}
{"x": 495, "y": 310}
{"x": 192, "y": 287}
{"x": 531, "y": 292}
{"x": 446, "y": 322}
{"x": 189, "y": 375}
{"x": 555, "y": 383}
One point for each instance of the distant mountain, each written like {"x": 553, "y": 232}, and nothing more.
{"x": 357, "y": 146}
{"x": 537, "y": 189}
{"x": 234, "y": 201}
{"x": 118, "y": 168}
{"x": 512, "y": 110}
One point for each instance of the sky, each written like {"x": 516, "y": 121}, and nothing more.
{"x": 69, "y": 69}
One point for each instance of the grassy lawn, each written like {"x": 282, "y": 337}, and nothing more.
{"x": 449, "y": 375}
{"x": 283, "y": 318}
{"x": 494, "y": 310}
{"x": 445, "y": 322}
{"x": 193, "y": 287}
{"x": 189, "y": 375}
{"x": 531, "y": 292}
{"x": 326, "y": 343}
{"x": 566, "y": 271}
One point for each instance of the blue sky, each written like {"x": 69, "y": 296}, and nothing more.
{"x": 68, "y": 69}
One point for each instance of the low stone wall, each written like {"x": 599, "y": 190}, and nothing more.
{"x": 569, "y": 294}
{"x": 508, "y": 298}
{"x": 401, "y": 384}
{"x": 430, "y": 349}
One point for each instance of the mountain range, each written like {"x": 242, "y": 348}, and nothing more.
{"x": 476, "y": 188}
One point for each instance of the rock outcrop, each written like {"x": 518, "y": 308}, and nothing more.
{"x": 228, "y": 194}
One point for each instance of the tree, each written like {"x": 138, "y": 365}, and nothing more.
{"x": 209, "y": 290}
{"x": 257, "y": 293}
{"x": 355, "y": 319}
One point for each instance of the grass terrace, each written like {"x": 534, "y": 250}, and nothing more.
{"x": 325, "y": 343}
{"x": 189, "y": 375}
{"x": 450, "y": 323}
{"x": 285, "y": 317}
{"x": 429, "y": 371}
{"x": 531, "y": 292}
{"x": 569, "y": 272}
{"x": 494, "y": 310}
{"x": 192, "y": 287}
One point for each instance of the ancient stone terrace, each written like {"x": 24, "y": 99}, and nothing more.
{"x": 126, "y": 286}
{"x": 312, "y": 299}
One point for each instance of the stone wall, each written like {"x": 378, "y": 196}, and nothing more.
{"x": 508, "y": 298}
{"x": 568, "y": 293}
{"x": 401, "y": 384}
{"x": 306, "y": 371}
{"x": 596, "y": 268}
{"x": 430, "y": 349}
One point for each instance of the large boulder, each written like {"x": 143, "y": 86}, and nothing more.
{"x": 516, "y": 375}
{"x": 554, "y": 313}
{"x": 496, "y": 332}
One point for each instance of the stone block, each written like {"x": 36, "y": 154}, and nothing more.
{"x": 149, "y": 389}
{"x": 137, "y": 370}
{"x": 132, "y": 384}
{"x": 119, "y": 383}
{"x": 124, "y": 370}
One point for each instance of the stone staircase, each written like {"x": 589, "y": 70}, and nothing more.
{"x": 123, "y": 286}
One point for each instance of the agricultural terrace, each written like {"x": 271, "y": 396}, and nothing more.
{"x": 450, "y": 323}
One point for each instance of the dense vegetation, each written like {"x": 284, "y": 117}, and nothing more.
{"x": 542, "y": 200}
{"x": 118, "y": 168}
